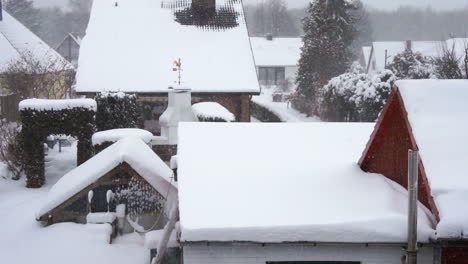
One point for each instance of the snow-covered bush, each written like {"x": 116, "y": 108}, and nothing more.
{"x": 355, "y": 96}
{"x": 212, "y": 112}
{"x": 11, "y": 153}
{"x": 450, "y": 65}
{"x": 412, "y": 65}
{"x": 117, "y": 110}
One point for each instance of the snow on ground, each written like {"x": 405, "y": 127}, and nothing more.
{"x": 283, "y": 110}
{"x": 23, "y": 240}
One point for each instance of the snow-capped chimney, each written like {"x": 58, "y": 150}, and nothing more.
{"x": 409, "y": 45}
{"x": 179, "y": 109}
{"x": 204, "y": 4}
{"x": 269, "y": 36}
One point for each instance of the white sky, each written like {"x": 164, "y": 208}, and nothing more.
{"x": 390, "y": 4}
{"x": 378, "y": 4}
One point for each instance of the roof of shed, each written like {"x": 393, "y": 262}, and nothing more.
{"x": 132, "y": 45}
{"x": 132, "y": 151}
{"x": 438, "y": 114}
{"x": 292, "y": 183}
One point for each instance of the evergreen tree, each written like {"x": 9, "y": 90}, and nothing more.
{"x": 329, "y": 29}
{"x": 25, "y": 12}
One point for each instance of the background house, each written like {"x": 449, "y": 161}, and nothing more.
{"x": 277, "y": 60}
{"x": 290, "y": 204}
{"x": 69, "y": 48}
{"x": 430, "y": 116}
{"x": 134, "y": 46}
{"x": 383, "y": 52}
{"x": 22, "y": 52}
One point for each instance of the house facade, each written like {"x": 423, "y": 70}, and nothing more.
{"x": 429, "y": 116}
{"x": 277, "y": 60}
{"x": 200, "y": 45}
{"x": 69, "y": 48}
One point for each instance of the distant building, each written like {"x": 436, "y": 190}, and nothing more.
{"x": 383, "y": 52}
{"x": 277, "y": 59}
{"x": 135, "y": 47}
{"x": 69, "y": 48}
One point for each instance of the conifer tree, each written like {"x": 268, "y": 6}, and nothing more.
{"x": 329, "y": 31}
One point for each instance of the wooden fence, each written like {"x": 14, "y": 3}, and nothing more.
{"x": 9, "y": 107}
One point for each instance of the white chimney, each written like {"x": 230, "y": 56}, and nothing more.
{"x": 179, "y": 109}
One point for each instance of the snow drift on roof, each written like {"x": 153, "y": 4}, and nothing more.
{"x": 132, "y": 47}
{"x": 276, "y": 52}
{"x": 438, "y": 114}
{"x": 285, "y": 182}
{"x": 115, "y": 135}
{"x": 61, "y": 104}
{"x": 132, "y": 151}
{"x": 17, "y": 40}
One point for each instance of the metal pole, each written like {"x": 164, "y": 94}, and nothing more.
{"x": 412, "y": 250}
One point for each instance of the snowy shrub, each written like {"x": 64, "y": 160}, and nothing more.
{"x": 117, "y": 110}
{"x": 263, "y": 114}
{"x": 355, "y": 96}
{"x": 449, "y": 65}
{"x": 212, "y": 112}
{"x": 37, "y": 124}
{"x": 412, "y": 65}
{"x": 11, "y": 153}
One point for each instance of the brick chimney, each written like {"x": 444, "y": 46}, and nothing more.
{"x": 204, "y": 4}
{"x": 409, "y": 45}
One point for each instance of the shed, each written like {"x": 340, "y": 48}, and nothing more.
{"x": 294, "y": 194}
{"x": 430, "y": 116}
{"x": 128, "y": 167}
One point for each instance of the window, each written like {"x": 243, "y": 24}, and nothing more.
{"x": 271, "y": 75}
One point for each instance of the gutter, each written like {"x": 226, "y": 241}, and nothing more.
{"x": 304, "y": 243}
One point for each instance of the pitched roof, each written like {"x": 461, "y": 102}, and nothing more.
{"x": 17, "y": 40}
{"x": 132, "y": 44}
{"x": 292, "y": 183}
{"x": 132, "y": 151}
{"x": 276, "y": 52}
{"x": 438, "y": 115}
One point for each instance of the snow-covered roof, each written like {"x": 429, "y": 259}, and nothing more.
{"x": 132, "y": 151}
{"x": 366, "y": 53}
{"x": 115, "y": 135}
{"x": 438, "y": 114}
{"x": 212, "y": 110}
{"x": 276, "y": 52}
{"x": 17, "y": 40}
{"x": 60, "y": 104}
{"x": 286, "y": 183}
{"x": 426, "y": 48}
{"x": 132, "y": 44}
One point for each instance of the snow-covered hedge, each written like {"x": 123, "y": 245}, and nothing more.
{"x": 355, "y": 96}
{"x": 45, "y": 104}
{"x": 104, "y": 139}
{"x": 212, "y": 112}
{"x": 117, "y": 110}
{"x": 41, "y": 121}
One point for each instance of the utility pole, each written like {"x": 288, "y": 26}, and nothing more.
{"x": 412, "y": 249}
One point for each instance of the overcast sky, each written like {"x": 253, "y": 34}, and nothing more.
{"x": 391, "y": 4}
{"x": 378, "y": 4}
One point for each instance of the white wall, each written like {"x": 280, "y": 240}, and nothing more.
{"x": 291, "y": 72}
{"x": 256, "y": 254}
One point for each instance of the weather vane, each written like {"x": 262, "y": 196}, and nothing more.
{"x": 178, "y": 68}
